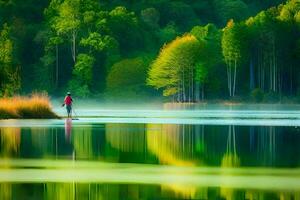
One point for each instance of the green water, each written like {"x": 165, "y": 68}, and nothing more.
{"x": 73, "y": 160}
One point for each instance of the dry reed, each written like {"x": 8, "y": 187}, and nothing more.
{"x": 36, "y": 106}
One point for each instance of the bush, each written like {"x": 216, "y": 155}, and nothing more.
{"x": 127, "y": 78}
{"x": 151, "y": 17}
{"x": 257, "y": 95}
{"x": 298, "y": 96}
{"x": 78, "y": 88}
{"x": 272, "y": 97}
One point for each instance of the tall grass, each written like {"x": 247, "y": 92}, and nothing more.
{"x": 36, "y": 106}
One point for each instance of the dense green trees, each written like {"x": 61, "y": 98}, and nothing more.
{"x": 9, "y": 74}
{"x": 93, "y": 47}
{"x": 265, "y": 43}
{"x": 209, "y": 60}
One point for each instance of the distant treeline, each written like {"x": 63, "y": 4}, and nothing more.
{"x": 184, "y": 50}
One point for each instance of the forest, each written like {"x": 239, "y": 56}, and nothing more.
{"x": 181, "y": 51}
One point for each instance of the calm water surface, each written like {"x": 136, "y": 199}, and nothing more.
{"x": 98, "y": 159}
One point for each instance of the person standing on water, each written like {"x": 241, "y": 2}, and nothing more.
{"x": 68, "y": 102}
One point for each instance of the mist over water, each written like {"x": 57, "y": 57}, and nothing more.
{"x": 209, "y": 114}
{"x": 156, "y": 150}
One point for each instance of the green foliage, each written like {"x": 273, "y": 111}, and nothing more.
{"x": 9, "y": 75}
{"x": 6, "y": 46}
{"x": 175, "y": 59}
{"x": 77, "y": 42}
{"x": 271, "y": 97}
{"x": 210, "y": 57}
{"x": 168, "y": 33}
{"x": 298, "y": 95}
{"x": 201, "y": 75}
{"x": 97, "y": 42}
{"x": 83, "y": 70}
{"x": 151, "y": 17}
{"x": 80, "y": 84}
{"x": 290, "y": 11}
{"x": 231, "y": 9}
{"x": 124, "y": 27}
{"x": 127, "y": 78}
{"x": 233, "y": 42}
{"x": 257, "y": 95}
{"x": 182, "y": 14}
{"x": 68, "y": 17}
{"x": 79, "y": 89}
{"x": 43, "y": 78}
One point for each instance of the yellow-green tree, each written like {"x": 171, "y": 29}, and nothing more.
{"x": 173, "y": 70}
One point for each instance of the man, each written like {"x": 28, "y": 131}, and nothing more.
{"x": 68, "y": 102}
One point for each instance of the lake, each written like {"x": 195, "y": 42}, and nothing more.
{"x": 153, "y": 154}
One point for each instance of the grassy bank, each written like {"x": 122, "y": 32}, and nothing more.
{"x": 34, "y": 107}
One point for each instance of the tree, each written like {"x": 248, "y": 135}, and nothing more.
{"x": 151, "y": 17}
{"x": 54, "y": 42}
{"x": 231, "y": 9}
{"x": 82, "y": 75}
{"x": 173, "y": 69}
{"x": 233, "y": 48}
{"x": 97, "y": 42}
{"x": 168, "y": 33}
{"x": 9, "y": 75}
{"x": 123, "y": 26}
{"x": 127, "y": 77}
{"x": 178, "y": 12}
{"x": 264, "y": 38}
{"x": 68, "y": 22}
{"x": 209, "y": 58}
{"x": 83, "y": 68}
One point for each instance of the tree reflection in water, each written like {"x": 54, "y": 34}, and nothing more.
{"x": 10, "y": 141}
{"x": 167, "y": 144}
{"x": 230, "y": 160}
{"x": 128, "y": 138}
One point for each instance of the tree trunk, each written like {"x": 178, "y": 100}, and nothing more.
{"x": 183, "y": 87}
{"x": 73, "y": 46}
{"x": 251, "y": 84}
{"x": 56, "y": 73}
{"x": 202, "y": 92}
{"x": 234, "y": 79}
{"x": 230, "y": 75}
{"x": 291, "y": 80}
{"x": 189, "y": 77}
{"x": 228, "y": 79}
{"x": 178, "y": 92}
{"x": 193, "y": 95}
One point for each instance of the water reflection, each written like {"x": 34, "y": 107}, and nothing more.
{"x": 5, "y": 191}
{"x": 82, "y": 142}
{"x": 10, "y": 141}
{"x": 174, "y": 144}
{"x": 159, "y": 144}
{"x": 171, "y": 144}
{"x": 68, "y": 129}
{"x": 71, "y": 191}
{"x": 128, "y": 138}
{"x": 230, "y": 158}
